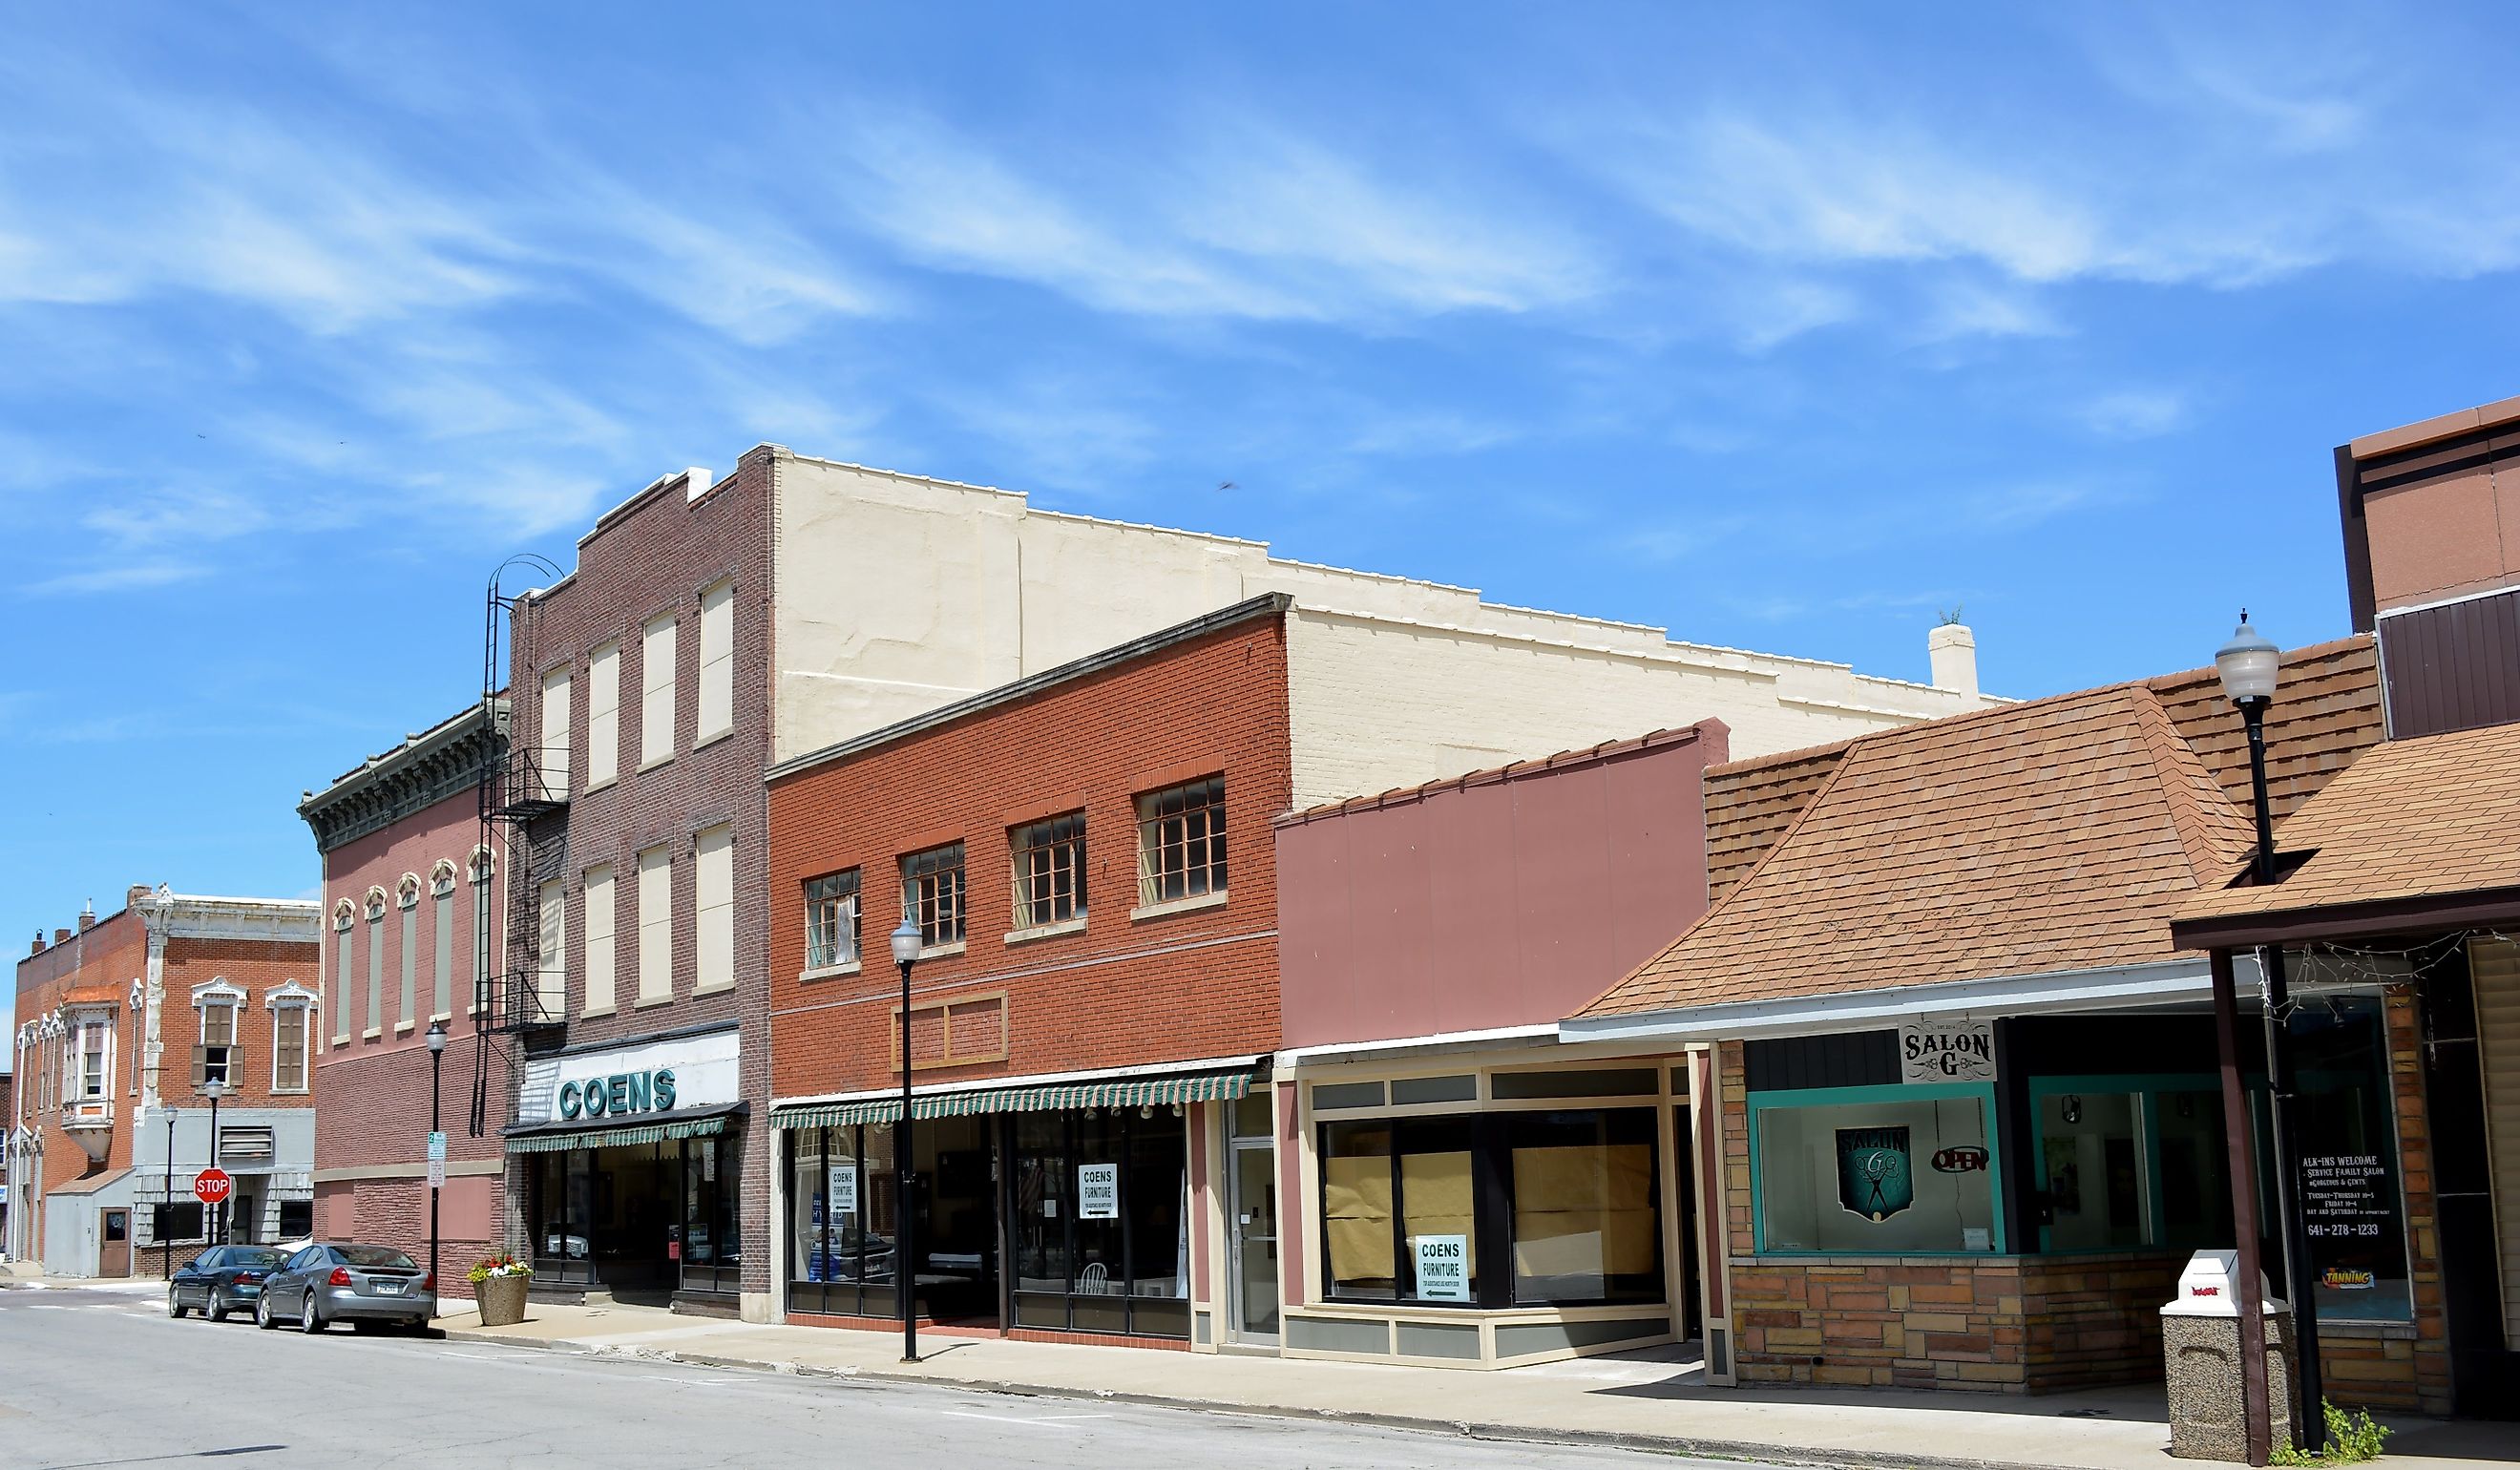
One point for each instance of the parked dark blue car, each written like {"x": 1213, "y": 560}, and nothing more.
{"x": 218, "y": 1281}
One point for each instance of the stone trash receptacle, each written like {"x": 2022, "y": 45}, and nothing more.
{"x": 502, "y": 1300}
{"x": 2200, "y": 1349}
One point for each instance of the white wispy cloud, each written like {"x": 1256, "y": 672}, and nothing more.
{"x": 132, "y": 576}
{"x": 2133, "y": 413}
{"x": 1250, "y": 221}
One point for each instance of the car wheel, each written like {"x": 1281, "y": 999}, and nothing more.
{"x": 308, "y": 1319}
{"x": 218, "y": 1311}
{"x": 262, "y": 1317}
{"x": 174, "y": 1305}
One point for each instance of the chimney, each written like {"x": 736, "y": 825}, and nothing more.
{"x": 133, "y": 894}
{"x": 39, "y": 943}
{"x": 695, "y": 483}
{"x": 61, "y": 936}
{"x": 1952, "y": 649}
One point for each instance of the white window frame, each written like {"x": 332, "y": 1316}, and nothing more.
{"x": 306, "y": 1002}
{"x": 600, "y": 885}
{"x": 713, "y": 908}
{"x": 717, "y": 663}
{"x": 603, "y": 715}
{"x": 102, "y": 1026}
{"x": 551, "y": 948}
{"x": 836, "y": 913}
{"x": 220, "y": 993}
{"x": 657, "y": 639}
{"x": 552, "y": 746}
{"x": 656, "y": 925}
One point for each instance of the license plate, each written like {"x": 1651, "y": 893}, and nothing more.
{"x": 389, "y": 1288}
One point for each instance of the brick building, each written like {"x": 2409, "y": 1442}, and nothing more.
{"x": 122, "y": 1025}
{"x": 413, "y": 906}
{"x": 715, "y": 628}
{"x": 1962, "y": 1091}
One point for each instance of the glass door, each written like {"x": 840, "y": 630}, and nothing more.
{"x": 1252, "y": 1228}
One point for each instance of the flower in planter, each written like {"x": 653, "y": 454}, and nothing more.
{"x": 500, "y": 1265}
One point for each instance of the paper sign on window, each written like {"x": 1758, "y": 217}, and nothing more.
{"x": 844, "y": 1190}
{"x": 1097, "y": 1192}
{"x": 1443, "y": 1268}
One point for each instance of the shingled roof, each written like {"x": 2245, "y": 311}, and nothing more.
{"x": 2059, "y": 835}
{"x": 2412, "y": 822}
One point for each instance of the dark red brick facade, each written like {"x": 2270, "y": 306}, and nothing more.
{"x": 1118, "y": 991}
{"x": 658, "y": 553}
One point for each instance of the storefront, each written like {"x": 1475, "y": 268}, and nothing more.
{"x": 629, "y": 1163}
{"x": 1069, "y": 1208}
{"x": 1460, "y": 1213}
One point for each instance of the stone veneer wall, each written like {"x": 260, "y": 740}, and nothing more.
{"x": 2049, "y": 1324}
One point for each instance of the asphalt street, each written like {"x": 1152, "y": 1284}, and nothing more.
{"x": 99, "y": 1378}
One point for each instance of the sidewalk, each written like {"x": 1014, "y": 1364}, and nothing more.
{"x": 1655, "y": 1400}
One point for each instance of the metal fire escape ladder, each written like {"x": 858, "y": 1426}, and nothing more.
{"x": 513, "y": 796}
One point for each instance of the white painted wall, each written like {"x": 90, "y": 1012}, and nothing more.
{"x": 895, "y": 594}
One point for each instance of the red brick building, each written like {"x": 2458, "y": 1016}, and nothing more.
{"x": 1088, "y": 854}
{"x": 122, "y": 1026}
{"x": 413, "y": 908}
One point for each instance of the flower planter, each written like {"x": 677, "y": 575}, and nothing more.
{"x": 502, "y": 1299}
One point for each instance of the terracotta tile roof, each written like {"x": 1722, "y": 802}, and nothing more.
{"x": 2419, "y": 819}
{"x": 2054, "y": 835}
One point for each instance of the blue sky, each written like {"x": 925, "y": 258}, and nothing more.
{"x": 1782, "y": 328}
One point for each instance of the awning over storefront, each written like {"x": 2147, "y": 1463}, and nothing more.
{"x": 653, "y": 1127}
{"x": 1131, "y": 1092}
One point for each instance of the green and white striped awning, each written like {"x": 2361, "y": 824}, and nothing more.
{"x": 619, "y": 1138}
{"x": 1149, "y": 1092}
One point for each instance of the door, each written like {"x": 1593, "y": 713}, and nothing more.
{"x": 1251, "y": 1229}
{"x": 113, "y": 1243}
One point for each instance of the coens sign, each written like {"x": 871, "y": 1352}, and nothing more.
{"x": 619, "y": 1093}
{"x": 1946, "y": 1051}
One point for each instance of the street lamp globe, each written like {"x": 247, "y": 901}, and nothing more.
{"x": 2249, "y": 664}
{"x": 437, "y": 1036}
{"x": 905, "y": 942}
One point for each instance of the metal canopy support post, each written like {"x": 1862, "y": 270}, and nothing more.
{"x": 2244, "y": 1213}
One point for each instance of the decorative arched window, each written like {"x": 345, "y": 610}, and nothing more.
{"x": 215, "y": 1058}
{"x": 293, "y": 1035}
{"x": 344, "y": 913}
{"x": 442, "y": 960}
{"x": 376, "y": 904}
{"x": 441, "y": 879}
{"x": 481, "y": 865}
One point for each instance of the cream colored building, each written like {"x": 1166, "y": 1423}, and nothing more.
{"x": 894, "y": 594}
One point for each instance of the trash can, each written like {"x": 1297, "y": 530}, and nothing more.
{"x": 2201, "y": 1349}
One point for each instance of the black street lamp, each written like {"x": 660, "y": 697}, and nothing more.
{"x": 216, "y": 1089}
{"x": 166, "y": 1211}
{"x": 2249, "y": 665}
{"x": 905, "y": 1272}
{"x": 436, "y": 1147}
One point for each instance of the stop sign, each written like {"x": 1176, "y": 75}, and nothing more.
{"x": 211, "y": 1186}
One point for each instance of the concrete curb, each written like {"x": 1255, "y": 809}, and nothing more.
{"x": 1680, "y": 1444}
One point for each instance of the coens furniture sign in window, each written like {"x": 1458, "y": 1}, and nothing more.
{"x": 1097, "y": 1192}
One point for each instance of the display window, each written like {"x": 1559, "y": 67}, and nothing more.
{"x": 1508, "y": 1208}
{"x": 1908, "y": 1169}
{"x": 2128, "y": 1163}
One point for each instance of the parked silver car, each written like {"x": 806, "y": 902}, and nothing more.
{"x": 337, "y": 1281}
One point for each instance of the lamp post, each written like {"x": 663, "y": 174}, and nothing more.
{"x": 216, "y": 1089}
{"x": 905, "y": 1272}
{"x": 166, "y": 1211}
{"x": 436, "y": 1146}
{"x": 2249, "y": 666}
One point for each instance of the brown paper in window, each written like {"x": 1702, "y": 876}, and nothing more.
{"x": 1360, "y": 1250}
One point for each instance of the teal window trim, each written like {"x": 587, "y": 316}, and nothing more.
{"x": 1982, "y": 1093}
{"x": 2147, "y": 1086}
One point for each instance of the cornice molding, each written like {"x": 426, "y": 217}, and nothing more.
{"x": 420, "y": 773}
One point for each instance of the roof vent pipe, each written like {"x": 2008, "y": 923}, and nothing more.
{"x": 1952, "y": 649}
{"x": 87, "y": 916}
{"x": 695, "y": 483}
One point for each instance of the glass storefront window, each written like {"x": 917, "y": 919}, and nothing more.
{"x": 1585, "y": 1227}
{"x": 2092, "y": 1149}
{"x": 2128, "y": 1162}
{"x": 1874, "y": 1169}
{"x": 1570, "y": 1197}
{"x": 2347, "y": 1191}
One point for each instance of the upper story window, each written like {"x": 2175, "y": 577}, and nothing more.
{"x": 604, "y": 714}
{"x": 1181, "y": 841}
{"x": 656, "y": 690}
{"x": 91, "y": 1057}
{"x": 831, "y": 920}
{"x": 717, "y": 661}
{"x": 551, "y": 748}
{"x": 931, "y": 893}
{"x": 376, "y": 906}
{"x": 407, "y": 892}
{"x": 214, "y": 1059}
{"x": 479, "y": 865}
{"x": 1050, "y": 870}
{"x": 291, "y": 1034}
{"x": 441, "y": 880}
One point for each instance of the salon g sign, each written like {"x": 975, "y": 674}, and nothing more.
{"x": 1934, "y": 1051}
{"x": 622, "y": 1082}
